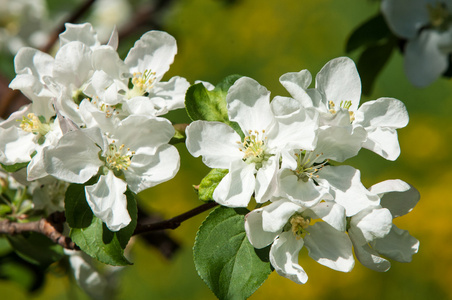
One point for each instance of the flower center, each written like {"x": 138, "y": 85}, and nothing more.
{"x": 142, "y": 83}
{"x": 254, "y": 148}
{"x": 440, "y": 17}
{"x": 118, "y": 158}
{"x": 35, "y": 124}
{"x": 308, "y": 166}
{"x": 344, "y": 105}
{"x": 299, "y": 224}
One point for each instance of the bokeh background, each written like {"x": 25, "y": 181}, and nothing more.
{"x": 263, "y": 40}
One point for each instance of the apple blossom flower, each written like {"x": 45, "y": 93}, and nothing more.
{"x": 287, "y": 227}
{"x": 373, "y": 233}
{"x": 122, "y": 160}
{"x": 253, "y": 162}
{"x": 427, "y": 28}
{"x": 337, "y": 95}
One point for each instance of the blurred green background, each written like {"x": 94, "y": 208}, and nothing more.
{"x": 263, "y": 40}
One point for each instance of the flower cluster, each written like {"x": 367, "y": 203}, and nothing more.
{"x": 95, "y": 118}
{"x": 287, "y": 162}
{"x": 427, "y": 28}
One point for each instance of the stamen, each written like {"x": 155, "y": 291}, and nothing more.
{"x": 118, "y": 159}
{"x": 34, "y": 124}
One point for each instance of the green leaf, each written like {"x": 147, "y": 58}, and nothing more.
{"x": 368, "y": 33}
{"x": 225, "y": 259}
{"x": 77, "y": 211}
{"x": 209, "y": 184}
{"x": 202, "y": 104}
{"x": 372, "y": 61}
{"x": 94, "y": 238}
{"x": 36, "y": 248}
{"x": 15, "y": 167}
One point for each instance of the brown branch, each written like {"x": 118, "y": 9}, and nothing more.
{"x": 53, "y": 226}
{"x": 175, "y": 222}
{"x": 44, "y": 226}
{"x": 72, "y": 19}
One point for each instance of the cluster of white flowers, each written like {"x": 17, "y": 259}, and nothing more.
{"x": 94, "y": 115}
{"x": 426, "y": 25}
{"x": 286, "y": 161}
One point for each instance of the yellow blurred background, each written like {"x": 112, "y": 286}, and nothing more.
{"x": 263, "y": 40}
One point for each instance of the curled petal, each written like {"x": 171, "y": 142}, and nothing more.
{"x": 284, "y": 257}
{"x": 397, "y": 196}
{"x": 108, "y": 202}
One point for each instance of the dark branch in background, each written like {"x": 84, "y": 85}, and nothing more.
{"x": 72, "y": 19}
{"x": 53, "y": 226}
{"x": 175, "y": 222}
{"x": 145, "y": 18}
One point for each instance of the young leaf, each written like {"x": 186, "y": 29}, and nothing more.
{"x": 202, "y": 104}
{"x": 225, "y": 259}
{"x": 15, "y": 167}
{"x": 209, "y": 184}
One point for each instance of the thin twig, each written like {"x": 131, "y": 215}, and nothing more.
{"x": 72, "y": 19}
{"x": 175, "y": 222}
{"x": 43, "y": 226}
{"x": 52, "y": 226}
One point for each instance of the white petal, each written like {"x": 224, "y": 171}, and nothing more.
{"x": 236, "y": 188}
{"x": 154, "y": 51}
{"x": 398, "y": 245}
{"x": 203, "y": 138}
{"x": 284, "y": 257}
{"x": 370, "y": 224}
{"x": 339, "y": 81}
{"x": 73, "y": 64}
{"x": 370, "y": 258}
{"x": 297, "y": 84}
{"x": 331, "y": 213}
{"x": 384, "y": 142}
{"x": 283, "y": 106}
{"x": 349, "y": 191}
{"x": 75, "y": 157}
{"x": 397, "y": 196}
{"x": 266, "y": 180}
{"x": 108, "y": 202}
{"x": 297, "y": 130}
{"x": 330, "y": 247}
{"x": 249, "y": 105}
{"x": 79, "y": 32}
{"x": 149, "y": 133}
{"x": 424, "y": 60}
{"x": 172, "y": 93}
{"x": 340, "y": 143}
{"x": 16, "y": 145}
{"x": 277, "y": 214}
{"x": 140, "y": 106}
{"x": 304, "y": 193}
{"x": 383, "y": 112}
{"x": 257, "y": 236}
{"x": 146, "y": 171}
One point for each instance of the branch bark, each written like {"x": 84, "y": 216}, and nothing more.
{"x": 53, "y": 226}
